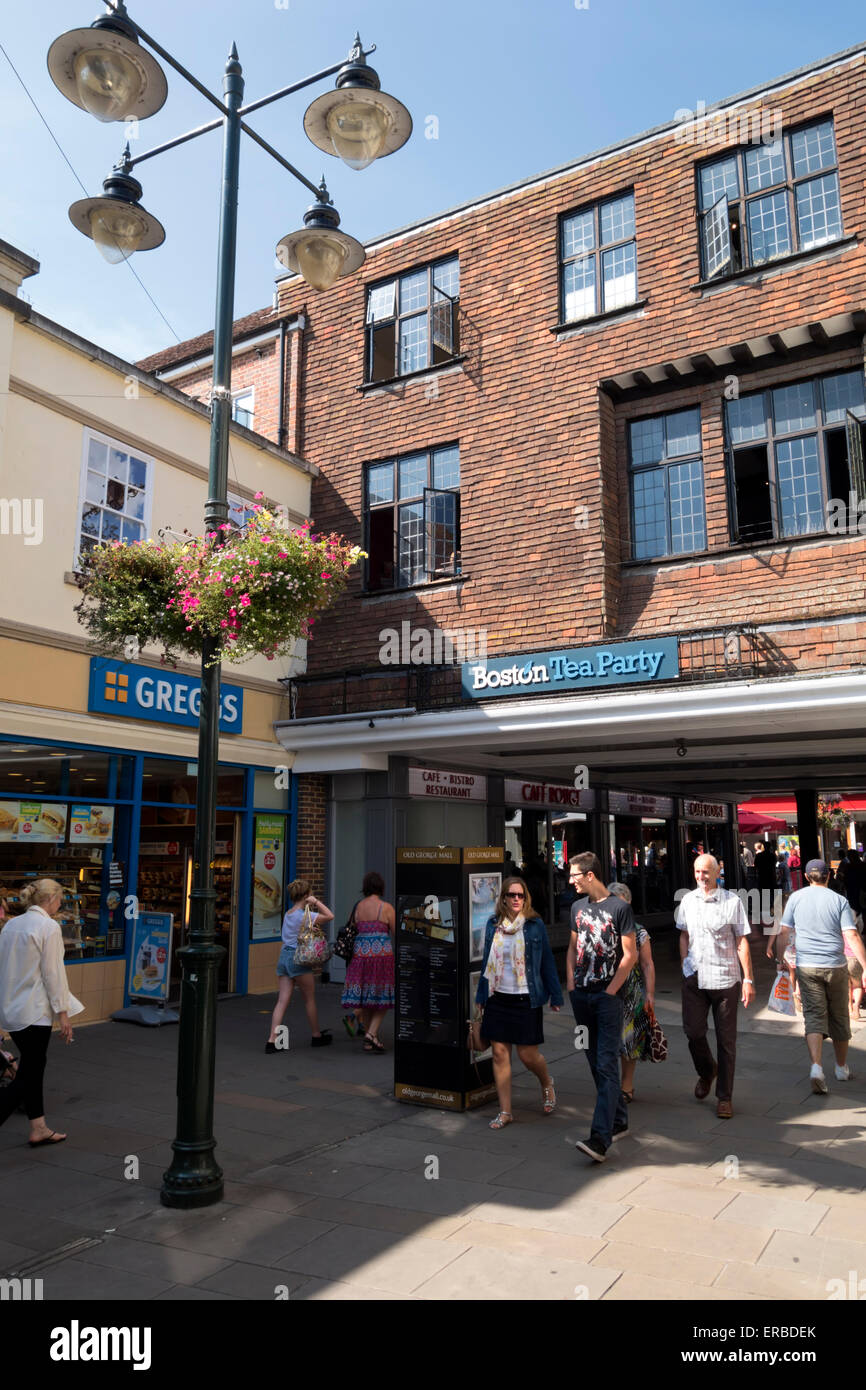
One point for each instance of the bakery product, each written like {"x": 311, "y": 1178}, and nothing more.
{"x": 267, "y": 892}
{"x": 8, "y": 821}
{"x": 52, "y": 820}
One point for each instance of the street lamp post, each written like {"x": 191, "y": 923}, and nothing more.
{"x": 105, "y": 70}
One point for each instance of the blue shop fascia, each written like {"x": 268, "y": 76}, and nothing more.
{"x": 103, "y": 801}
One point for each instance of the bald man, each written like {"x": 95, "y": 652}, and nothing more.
{"x": 717, "y": 972}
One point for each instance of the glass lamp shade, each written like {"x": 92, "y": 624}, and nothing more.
{"x": 117, "y": 231}
{"x": 320, "y": 258}
{"x": 108, "y": 84}
{"x": 358, "y": 131}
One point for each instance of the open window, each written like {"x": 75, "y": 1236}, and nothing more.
{"x": 413, "y": 321}
{"x": 413, "y": 519}
{"x": 793, "y": 452}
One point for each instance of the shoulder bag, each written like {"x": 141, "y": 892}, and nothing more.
{"x": 344, "y": 946}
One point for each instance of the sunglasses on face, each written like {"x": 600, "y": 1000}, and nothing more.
{"x": 515, "y": 895}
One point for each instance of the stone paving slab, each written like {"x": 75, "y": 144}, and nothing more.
{"x": 370, "y": 1258}
{"x": 492, "y": 1274}
{"x": 752, "y": 1209}
{"x": 652, "y": 1263}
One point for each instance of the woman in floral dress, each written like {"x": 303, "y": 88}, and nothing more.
{"x": 369, "y": 987}
{"x": 638, "y": 996}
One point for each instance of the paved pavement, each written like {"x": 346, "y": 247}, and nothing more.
{"x": 328, "y": 1194}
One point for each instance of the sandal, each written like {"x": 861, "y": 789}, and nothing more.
{"x": 628, "y": 1096}
{"x": 372, "y": 1044}
{"x": 504, "y": 1118}
{"x": 549, "y": 1098}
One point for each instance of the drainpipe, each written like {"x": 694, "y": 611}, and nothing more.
{"x": 291, "y": 439}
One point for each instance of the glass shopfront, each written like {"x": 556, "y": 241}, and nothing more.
{"x": 640, "y": 845}
{"x": 117, "y": 829}
{"x": 705, "y": 829}
{"x": 546, "y": 825}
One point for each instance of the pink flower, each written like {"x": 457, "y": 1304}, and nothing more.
{"x": 236, "y": 579}
{"x": 245, "y": 600}
{"x": 223, "y": 623}
{"x": 233, "y": 612}
{"x": 282, "y": 555}
{"x": 326, "y": 576}
{"x": 258, "y": 495}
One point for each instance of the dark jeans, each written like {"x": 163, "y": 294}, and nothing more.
{"x": 26, "y": 1089}
{"x": 696, "y": 1007}
{"x": 601, "y": 1014}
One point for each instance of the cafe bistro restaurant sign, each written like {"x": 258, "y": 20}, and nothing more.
{"x": 580, "y": 668}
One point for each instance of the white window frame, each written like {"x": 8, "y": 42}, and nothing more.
{"x": 240, "y": 395}
{"x": 235, "y": 500}
{"x": 148, "y": 460}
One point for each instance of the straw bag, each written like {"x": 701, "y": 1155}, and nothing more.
{"x": 312, "y": 948}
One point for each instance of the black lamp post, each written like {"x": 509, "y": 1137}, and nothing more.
{"x": 105, "y": 70}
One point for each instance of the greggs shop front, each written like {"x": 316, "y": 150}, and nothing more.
{"x": 115, "y": 825}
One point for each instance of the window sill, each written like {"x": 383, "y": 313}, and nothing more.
{"x": 607, "y": 316}
{"x": 753, "y": 273}
{"x": 413, "y": 376}
{"x": 738, "y": 549}
{"x": 449, "y": 582}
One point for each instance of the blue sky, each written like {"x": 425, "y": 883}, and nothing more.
{"x": 516, "y": 88}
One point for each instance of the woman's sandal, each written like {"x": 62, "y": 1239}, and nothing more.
{"x": 372, "y": 1044}
{"x": 628, "y": 1096}
{"x": 504, "y": 1118}
{"x": 549, "y": 1098}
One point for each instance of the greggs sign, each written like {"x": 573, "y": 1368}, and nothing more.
{"x": 580, "y": 668}
{"x": 163, "y": 697}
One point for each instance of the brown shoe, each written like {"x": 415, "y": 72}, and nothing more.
{"x": 702, "y": 1090}
{"x": 725, "y": 1110}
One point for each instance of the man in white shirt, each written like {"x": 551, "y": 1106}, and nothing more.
{"x": 713, "y": 947}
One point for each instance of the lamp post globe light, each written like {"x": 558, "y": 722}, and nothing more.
{"x": 106, "y": 70}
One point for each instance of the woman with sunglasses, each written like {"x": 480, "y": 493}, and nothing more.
{"x": 518, "y": 977}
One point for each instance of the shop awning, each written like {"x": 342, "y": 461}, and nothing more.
{"x": 753, "y": 824}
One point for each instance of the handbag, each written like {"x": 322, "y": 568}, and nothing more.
{"x": 780, "y": 1000}
{"x": 344, "y": 946}
{"x": 312, "y": 948}
{"x": 474, "y": 1039}
{"x": 658, "y": 1043}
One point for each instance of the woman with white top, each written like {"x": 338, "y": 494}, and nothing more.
{"x": 288, "y": 973}
{"x": 518, "y": 977}
{"x": 33, "y": 993}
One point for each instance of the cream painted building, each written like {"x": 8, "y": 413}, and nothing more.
{"x": 98, "y": 757}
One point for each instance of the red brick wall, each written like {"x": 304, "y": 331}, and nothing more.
{"x": 311, "y": 832}
{"x": 539, "y": 437}
{"x": 259, "y": 368}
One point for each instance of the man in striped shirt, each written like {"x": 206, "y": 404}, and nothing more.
{"x": 713, "y": 947}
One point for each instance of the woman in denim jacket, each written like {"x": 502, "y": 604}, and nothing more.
{"x": 518, "y": 977}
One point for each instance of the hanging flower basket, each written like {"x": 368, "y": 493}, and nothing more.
{"x": 255, "y": 593}
{"x": 831, "y": 816}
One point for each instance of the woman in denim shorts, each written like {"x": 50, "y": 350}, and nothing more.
{"x": 301, "y": 897}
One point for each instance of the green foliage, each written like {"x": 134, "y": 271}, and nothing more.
{"x": 255, "y": 591}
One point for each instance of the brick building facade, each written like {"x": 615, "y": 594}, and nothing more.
{"x": 628, "y": 422}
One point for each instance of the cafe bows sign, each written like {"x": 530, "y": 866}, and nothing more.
{"x": 580, "y": 668}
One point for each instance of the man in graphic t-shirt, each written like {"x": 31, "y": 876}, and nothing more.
{"x": 602, "y": 952}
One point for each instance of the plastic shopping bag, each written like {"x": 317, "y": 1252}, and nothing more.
{"x": 780, "y": 1000}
